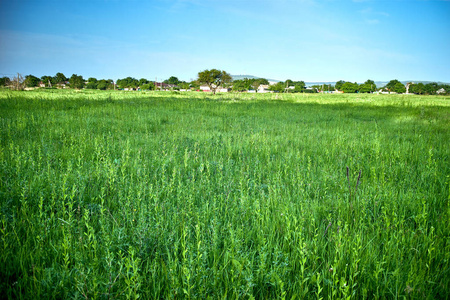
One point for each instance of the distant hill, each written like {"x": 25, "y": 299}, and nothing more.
{"x": 240, "y": 77}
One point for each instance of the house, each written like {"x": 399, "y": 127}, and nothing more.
{"x": 162, "y": 86}
{"x": 263, "y": 88}
{"x": 205, "y": 88}
{"x": 440, "y": 91}
{"x": 41, "y": 84}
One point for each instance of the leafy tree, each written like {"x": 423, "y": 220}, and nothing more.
{"x": 143, "y": 81}
{"x": 368, "y": 87}
{"x": 172, "y": 80}
{"x": 391, "y": 85}
{"x": 31, "y": 81}
{"x": 349, "y": 87}
{"x": 148, "y": 86}
{"x": 418, "y": 88}
{"x": 263, "y": 81}
{"x": 47, "y": 80}
{"x": 299, "y": 86}
{"x": 255, "y": 83}
{"x": 59, "y": 78}
{"x": 92, "y": 83}
{"x": 76, "y": 81}
{"x": 299, "y": 89}
{"x": 184, "y": 85}
{"x": 339, "y": 85}
{"x": 5, "y": 81}
{"x": 364, "y": 88}
{"x": 431, "y": 88}
{"x": 103, "y": 84}
{"x": 128, "y": 82}
{"x": 399, "y": 88}
{"x": 277, "y": 87}
{"x": 248, "y": 84}
{"x": 288, "y": 83}
{"x": 239, "y": 86}
{"x": 214, "y": 78}
{"x": 194, "y": 85}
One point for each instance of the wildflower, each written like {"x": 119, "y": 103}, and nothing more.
{"x": 408, "y": 289}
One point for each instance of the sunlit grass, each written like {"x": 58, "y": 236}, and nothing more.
{"x": 189, "y": 195}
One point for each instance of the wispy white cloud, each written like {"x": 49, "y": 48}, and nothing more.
{"x": 372, "y": 21}
{"x": 371, "y": 16}
{"x": 371, "y": 11}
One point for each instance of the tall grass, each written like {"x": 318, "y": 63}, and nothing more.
{"x": 185, "y": 195}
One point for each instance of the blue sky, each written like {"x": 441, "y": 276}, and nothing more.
{"x": 284, "y": 39}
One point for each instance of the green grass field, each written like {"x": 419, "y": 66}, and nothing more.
{"x": 111, "y": 195}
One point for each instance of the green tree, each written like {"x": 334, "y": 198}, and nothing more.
{"x": 255, "y": 85}
{"x": 172, "y": 80}
{"x": 299, "y": 86}
{"x": 104, "y": 84}
{"x": 47, "y": 80}
{"x": 128, "y": 82}
{"x": 391, "y": 85}
{"x": 31, "y": 81}
{"x": 148, "y": 86}
{"x": 143, "y": 81}
{"x": 184, "y": 85}
{"x": 339, "y": 85}
{"x": 418, "y": 88}
{"x": 399, "y": 88}
{"x": 367, "y": 87}
{"x": 5, "y": 81}
{"x": 214, "y": 78}
{"x": 59, "y": 78}
{"x": 349, "y": 87}
{"x": 263, "y": 81}
{"x": 194, "y": 85}
{"x": 431, "y": 88}
{"x": 239, "y": 86}
{"x": 76, "y": 81}
{"x": 92, "y": 83}
{"x": 259, "y": 81}
{"x": 277, "y": 87}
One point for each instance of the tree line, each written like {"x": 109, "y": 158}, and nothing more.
{"x": 217, "y": 78}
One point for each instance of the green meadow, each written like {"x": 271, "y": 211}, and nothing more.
{"x": 166, "y": 195}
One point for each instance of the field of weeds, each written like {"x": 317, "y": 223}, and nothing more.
{"x": 110, "y": 195}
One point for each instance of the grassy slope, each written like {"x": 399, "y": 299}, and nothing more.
{"x": 189, "y": 195}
